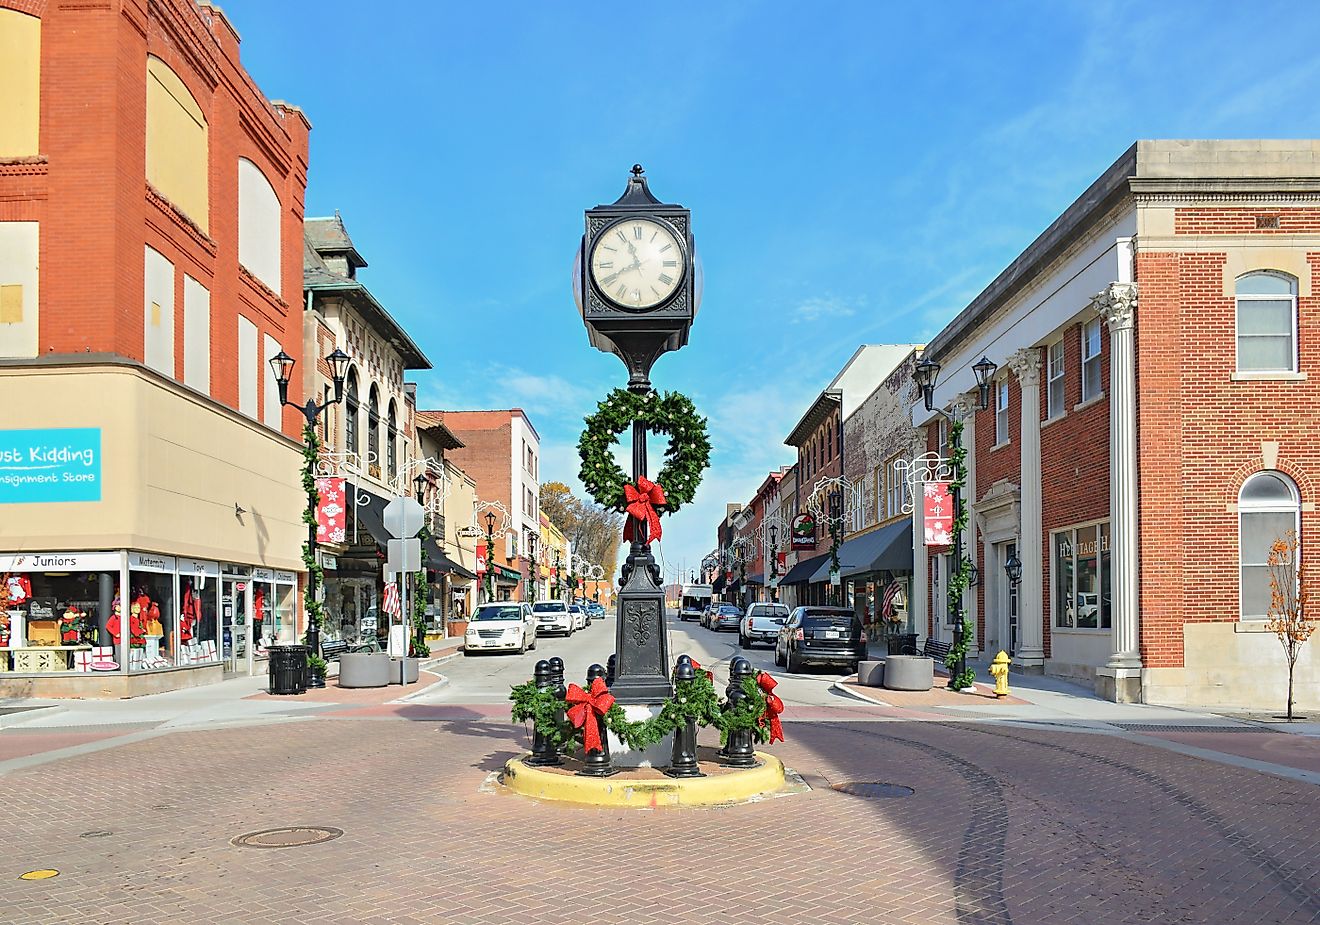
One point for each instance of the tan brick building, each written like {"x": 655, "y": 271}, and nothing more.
{"x": 1151, "y": 426}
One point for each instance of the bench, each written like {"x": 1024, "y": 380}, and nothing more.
{"x": 934, "y": 649}
{"x": 333, "y": 648}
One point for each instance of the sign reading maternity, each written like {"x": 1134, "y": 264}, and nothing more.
{"x": 62, "y": 464}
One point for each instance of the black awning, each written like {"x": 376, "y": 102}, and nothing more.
{"x": 369, "y": 515}
{"x": 718, "y": 585}
{"x": 803, "y": 570}
{"x": 888, "y": 549}
{"x": 434, "y": 558}
{"x": 756, "y": 580}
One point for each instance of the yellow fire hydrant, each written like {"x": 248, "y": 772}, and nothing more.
{"x": 999, "y": 671}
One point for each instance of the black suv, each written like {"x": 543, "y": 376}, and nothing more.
{"x": 821, "y": 636}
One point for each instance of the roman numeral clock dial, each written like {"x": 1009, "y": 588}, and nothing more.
{"x": 637, "y": 263}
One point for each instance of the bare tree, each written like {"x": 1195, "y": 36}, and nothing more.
{"x": 1286, "y": 619}
{"x": 594, "y": 531}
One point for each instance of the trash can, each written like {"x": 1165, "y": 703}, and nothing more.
{"x": 902, "y": 643}
{"x": 288, "y": 669}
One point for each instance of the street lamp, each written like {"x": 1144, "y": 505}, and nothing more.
{"x": 282, "y": 366}
{"x": 1013, "y": 569}
{"x": 420, "y": 481}
{"x": 774, "y": 564}
{"x": 490, "y": 555}
{"x": 925, "y": 374}
{"x": 531, "y": 567}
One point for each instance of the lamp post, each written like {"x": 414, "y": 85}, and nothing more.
{"x": 774, "y": 564}
{"x": 925, "y": 374}
{"x": 531, "y": 567}
{"x": 490, "y": 555}
{"x": 282, "y": 366}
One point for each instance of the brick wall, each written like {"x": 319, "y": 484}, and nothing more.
{"x": 486, "y": 457}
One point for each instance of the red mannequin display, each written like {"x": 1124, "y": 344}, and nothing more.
{"x": 258, "y": 614}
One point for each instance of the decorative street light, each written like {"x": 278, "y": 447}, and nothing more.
{"x": 531, "y": 567}
{"x": 282, "y": 366}
{"x": 1013, "y": 568}
{"x": 490, "y": 555}
{"x": 925, "y": 375}
{"x": 420, "y": 483}
{"x": 774, "y": 563}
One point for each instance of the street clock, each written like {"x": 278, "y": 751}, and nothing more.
{"x": 636, "y": 278}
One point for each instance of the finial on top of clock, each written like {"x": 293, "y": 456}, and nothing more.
{"x": 637, "y": 170}
{"x": 638, "y": 192}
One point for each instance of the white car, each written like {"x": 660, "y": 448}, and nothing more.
{"x": 554, "y": 617}
{"x": 580, "y": 619}
{"x": 502, "y": 626}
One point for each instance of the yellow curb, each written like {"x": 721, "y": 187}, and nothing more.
{"x": 733, "y": 786}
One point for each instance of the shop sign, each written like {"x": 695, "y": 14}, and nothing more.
{"x": 286, "y": 578}
{"x": 149, "y": 562}
{"x": 329, "y": 563}
{"x": 263, "y": 574}
{"x": 60, "y": 562}
{"x": 57, "y": 464}
{"x": 481, "y": 559}
{"x": 198, "y": 568}
{"x": 937, "y": 507}
{"x": 330, "y": 510}
{"x": 804, "y": 531}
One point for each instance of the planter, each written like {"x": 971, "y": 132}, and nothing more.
{"x": 871, "y": 674}
{"x": 909, "y": 673}
{"x": 456, "y": 629}
{"x": 410, "y": 668}
{"x": 364, "y": 669}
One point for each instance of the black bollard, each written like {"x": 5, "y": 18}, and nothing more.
{"x": 740, "y": 746}
{"x": 544, "y": 753}
{"x": 557, "y": 681}
{"x": 683, "y": 756}
{"x": 597, "y": 764}
{"x": 610, "y": 665}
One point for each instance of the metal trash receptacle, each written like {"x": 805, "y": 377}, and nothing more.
{"x": 288, "y": 669}
{"x": 902, "y": 644}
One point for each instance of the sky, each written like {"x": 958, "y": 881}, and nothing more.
{"x": 857, "y": 172}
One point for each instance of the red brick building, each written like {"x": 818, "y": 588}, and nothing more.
{"x": 151, "y": 215}
{"x": 1150, "y": 426}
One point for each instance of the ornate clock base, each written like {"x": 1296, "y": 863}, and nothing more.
{"x": 641, "y": 674}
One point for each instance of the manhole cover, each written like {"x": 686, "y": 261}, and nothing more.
{"x": 290, "y": 837}
{"x": 873, "y": 790}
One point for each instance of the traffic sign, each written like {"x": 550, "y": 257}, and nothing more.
{"x": 403, "y": 556}
{"x": 404, "y": 517}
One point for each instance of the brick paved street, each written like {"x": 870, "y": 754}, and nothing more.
{"x": 1008, "y": 824}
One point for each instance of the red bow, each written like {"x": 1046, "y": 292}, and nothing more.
{"x": 696, "y": 666}
{"x": 587, "y": 705}
{"x": 643, "y": 498}
{"x": 773, "y": 707}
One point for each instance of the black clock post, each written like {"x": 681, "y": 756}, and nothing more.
{"x": 637, "y": 290}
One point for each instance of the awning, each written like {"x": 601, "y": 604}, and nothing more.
{"x": 370, "y": 516}
{"x": 822, "y": 572}
{"x": 887, "y": 549}
{"x": 803, "y": 570}
{"x": 434, "y": 558}
{"x": 756, "y": 580}
{"x": 718, "y": 585}
{"x": 506, "y": 575}
{"x": 734, "y": 586}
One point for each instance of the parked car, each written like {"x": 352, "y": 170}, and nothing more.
{"x": 505, "y": 626}
{"x": 762, "y": 623}
{"x": 726, "y": 617}
{"x": 821, "y": 636}
{"x": 553, "y": 617}
{"x": 595, "y": 611}
{"x": 708, "y": 612}
{"x": 580, "y": 619}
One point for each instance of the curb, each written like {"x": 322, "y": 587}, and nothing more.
{"x": 838, "y": 686}
{"x": 439, "y": 684}
{"x": 733, "y": 787}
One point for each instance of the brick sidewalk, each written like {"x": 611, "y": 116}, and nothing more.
{"x": 1006, "y": 825}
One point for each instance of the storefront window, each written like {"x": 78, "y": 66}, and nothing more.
{"x": 149, "y": 619}
{"x": 54, "y": 619}
{"x": 199, "y": 613}
{"x": 1082, "y": 594}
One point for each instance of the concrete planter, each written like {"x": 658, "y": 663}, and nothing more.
{"x": 871, "y": 674}
{"x": 909, "y": 673}
{"x": 364, "y": 669}
{"x": 410, "y": 667}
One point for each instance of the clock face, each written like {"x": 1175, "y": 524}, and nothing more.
{"x": 637, "y": 263}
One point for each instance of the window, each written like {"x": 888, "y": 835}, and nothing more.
{"x": 196, "y": 335}
{"x": 1054, "y": 375}
{"x": 177, "y": 161}
{"x": 258, "y": 225}
{"x": 392, "y": 438}
{"x": 1082, "y": 592}
{"x": 1268, "y": 507}
{"x": 1091, "y": 359}
{"x": 272, "y": 412}
{"x": 1266, "y": 323}
{"x": 942, "y": 437}
{"x": 20, "y": 75}
{"x": 373, "y": 427}
{"x": 247, "y": 367}
{"x": 1001, "y": 412}
{"x": 158, "y": 317}
{"x": 896, "y": 496}
{"x": 351, "y": 414}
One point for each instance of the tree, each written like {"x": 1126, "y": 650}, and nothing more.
{"x": 593, "y": 530}
{"x": 1286, "y": 620}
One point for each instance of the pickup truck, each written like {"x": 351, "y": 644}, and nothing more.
{"x": 761, "y": 623}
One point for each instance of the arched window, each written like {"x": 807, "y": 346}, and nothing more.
{"x": 373, "y": 428}
{"x": 177, "y": 160}
{"x": 351, "y": 413}
{"x": 258, "y": 225}
{"x": 392, "y": 436}
{"x": 1267, "y": 322}
{"x": 1268, "y": 507}
{"x": 20, "y": 75}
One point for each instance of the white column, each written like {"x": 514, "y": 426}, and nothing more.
{"x": 1026, "y": 364}
{"x": 1117, "y": 306}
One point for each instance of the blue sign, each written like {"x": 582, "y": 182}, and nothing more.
{"x": 61, "y": 464}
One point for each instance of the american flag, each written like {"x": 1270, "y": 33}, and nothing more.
{"x": 887, "y": 602}
{"x": 391, "y": 603}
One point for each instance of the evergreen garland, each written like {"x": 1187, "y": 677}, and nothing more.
{"x": 959, "y": 581}
{"x": 316, "y": 576}
{"x": 671, "y": 413}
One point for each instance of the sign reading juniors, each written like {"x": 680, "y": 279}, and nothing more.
{"x": 59, "y": 464}
{"x": 937, "y": 507}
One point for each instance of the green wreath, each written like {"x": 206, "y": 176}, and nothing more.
{"x": 671, "y": 413}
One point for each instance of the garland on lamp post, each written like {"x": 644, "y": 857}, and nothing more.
{"x": 959, "y": 580}
{"x": 311, "y": 452}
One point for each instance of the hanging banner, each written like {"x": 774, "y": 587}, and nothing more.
{"x": 937, "y": 506}
{"x": 330, "y": 510}
{"x": 481, "y": 559}
{"x": 804, "y": 531}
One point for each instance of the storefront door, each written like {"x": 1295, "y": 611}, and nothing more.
{"x": 236, "y": 625}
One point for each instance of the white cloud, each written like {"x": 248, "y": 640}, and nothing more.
{"x": 817, "y": 308}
